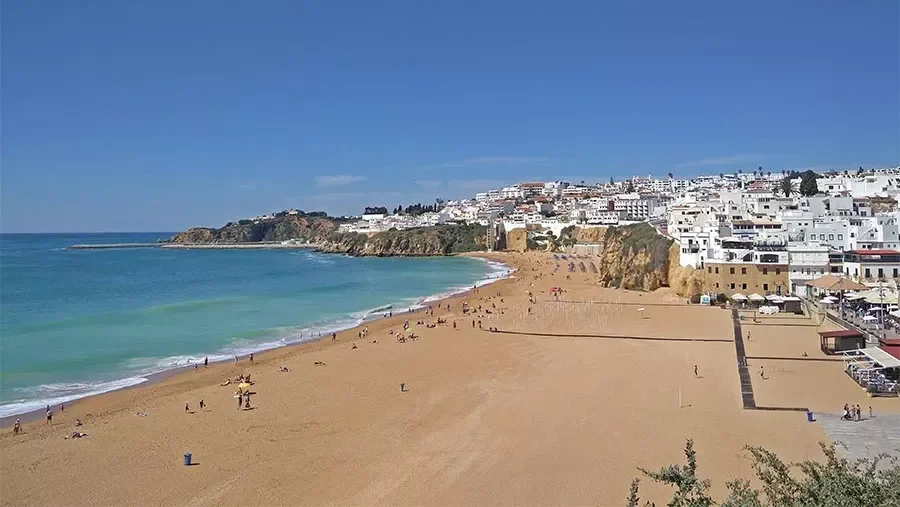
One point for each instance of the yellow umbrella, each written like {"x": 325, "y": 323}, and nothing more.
{"x": 244, "y": 386}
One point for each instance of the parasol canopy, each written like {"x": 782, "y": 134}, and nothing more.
{"x": 755, "y": 297}
{"x": 739, "y": 297}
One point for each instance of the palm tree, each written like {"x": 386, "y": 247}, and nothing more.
{"x": 787, "y": 187}
{"x": 721, "y": 176}
{"x": 670, "y": 176}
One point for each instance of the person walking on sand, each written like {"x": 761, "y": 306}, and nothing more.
{"x": 333, "y": 336}
{"x": 206, "y": 362}
{"x": 49, "y": 416}
{"x": 202, "y": 405}
{"x": 762, "y": 373}
{"x": 239, "y": 395}
{"x": 17, "y": 428}
{"x": 473, "y": 323}
{"x": 695, "y": 371}
{"x": 251, "y": 358}
{"x": 187, "y": 407}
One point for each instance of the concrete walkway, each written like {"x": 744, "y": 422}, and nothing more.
{"x": 864, "y": 438}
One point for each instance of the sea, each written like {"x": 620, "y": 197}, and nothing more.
{"x": 79, "y": 322}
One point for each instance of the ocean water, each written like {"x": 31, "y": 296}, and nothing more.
{"x": 79, "y": 322}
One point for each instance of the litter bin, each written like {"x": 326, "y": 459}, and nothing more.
{"x": 187, "y": 459}
{"x": 809, "y": 416}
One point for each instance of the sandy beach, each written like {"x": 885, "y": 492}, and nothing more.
{"x": 559, "y": 407}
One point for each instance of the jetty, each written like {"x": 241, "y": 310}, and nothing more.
{"x": 193, "y": 246}
{"x": 108, "y": 246}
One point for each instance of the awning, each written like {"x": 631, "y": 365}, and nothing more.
{"x": 835, "y": 283}
{"x": 773, "y": 297}
{"x": 879, "y": 356}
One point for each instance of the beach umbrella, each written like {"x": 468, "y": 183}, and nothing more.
{"x": 829, "y": 299}
{"x": 739, "y": 297}
{"x": 876, "y": 309}
{"x": 755, "y": 297}
{"x": 244, "y": 385}
{"x": 870, "y": 318}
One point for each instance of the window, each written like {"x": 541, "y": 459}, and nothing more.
{"x": 765, "y": 286}
{"x": 840, "y": 236}
{"x": 717, "y": 270}
{"x": 831, "y": 236}
{"x": 880, "y": 273}
{"x": 868, "y": 275}
{"x": 765, "y": 271}
{"x": 717, "y": 285}
{"x": 743, "y": 271}
{"x": 732, "y": 286}
{"x": 709, "y": 270}
{"x": 895, "y": 272}
{"x": 744, "y": 286}
{"x": 731, "y": 271}
{"x": 777, "y": 271}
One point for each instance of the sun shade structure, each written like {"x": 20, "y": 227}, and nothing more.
{"x": 739, "y": 297}
{"x": 755, "y": 297}
{"x": 835, "y": 283}
{"x": 876, "y": 355}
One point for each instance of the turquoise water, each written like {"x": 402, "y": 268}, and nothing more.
{"x": 77, "y": 322}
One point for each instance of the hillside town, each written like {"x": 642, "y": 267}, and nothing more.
{"x": 755, "y": 231}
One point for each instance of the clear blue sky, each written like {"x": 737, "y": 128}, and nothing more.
{"x": 156, "y": 116}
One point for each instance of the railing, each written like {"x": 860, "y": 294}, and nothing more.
{"x": 847, "y": 323}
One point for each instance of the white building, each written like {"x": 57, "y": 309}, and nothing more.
{"x": 805, "y": 262}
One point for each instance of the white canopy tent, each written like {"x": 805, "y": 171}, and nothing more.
{"x": 874, "y": 355}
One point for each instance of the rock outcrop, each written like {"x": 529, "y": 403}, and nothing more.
{"x": 322, "y": 232}
{"x": 517, "y": 240}
{"x": 634, "y": 257}
{"x": 685, "y": 281}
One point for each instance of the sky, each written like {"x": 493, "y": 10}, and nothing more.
{"x": 158, "y": 116}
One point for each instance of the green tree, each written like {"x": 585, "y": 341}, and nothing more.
{"x": 671, "y": 177}
{"x": 612, "y": 181}
{"x": 808, "y": 185}
{"x": 786, "y": 187}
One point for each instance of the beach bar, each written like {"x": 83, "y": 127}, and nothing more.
{"x": 835, "y": 342}
{"x": 874, "y": 370}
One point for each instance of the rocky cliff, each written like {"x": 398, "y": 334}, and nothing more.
{"x": 685, "y": 281}
{"x": 423, "y": 241}
{"x": 309, "y": 229}
{"x": 322, "y": 232}
{"x": 634, "y": 257}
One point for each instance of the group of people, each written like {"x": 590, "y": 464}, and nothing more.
{"x": 853, "y": 413}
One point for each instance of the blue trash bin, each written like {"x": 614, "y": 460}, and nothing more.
{"x": 187, "y": 459}
{"x": 809, "y": 416}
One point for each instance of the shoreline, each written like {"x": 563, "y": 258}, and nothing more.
{"x": 371, "y": 316}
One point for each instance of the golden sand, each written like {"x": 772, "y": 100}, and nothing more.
{"x": 559, "y": 409}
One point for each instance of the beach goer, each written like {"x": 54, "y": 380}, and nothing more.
{"x": 17, "y": 428}
{"x": 77, "y": 422}
{"x": 202, "y": 405}
{"x": 187, "y": 407}
{"x": 473, "y": 323}
{"x": 762, "y": 372}
{"x": 354, "y": 346}
{"x": 251, "y": 358}
{"x": 206, "y": 362}
{"x": 454, "y": 324}
{"x": 870, "y": 412}
{"x": 49, "y": 416}
{"x": 333, "y": 336}
{"x": 239, "y": 396}
{"x": 695, "y": 370}
{"x": 845, "y": 414}
{"x": 858, "y": 413}
{"x": 62, "y": 408}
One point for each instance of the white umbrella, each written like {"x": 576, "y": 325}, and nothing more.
{"x": 773, "y": 297}
{"x": 870, "y": 318}
{"x": 895, "y": 313}
{"x": 755, "y": 297}
{"x": 739, "y": 297}
{"x": 876, "y": 309}
{"x": 828, "y": 300}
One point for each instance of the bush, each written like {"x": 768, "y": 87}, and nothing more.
{"x": 721, "y": 298}
{"x": 836, "y": 482}
{"x": 695, "y": 299}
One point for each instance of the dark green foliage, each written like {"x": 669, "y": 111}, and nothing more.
{"x": 630, "y": 187}
{"x": 375, "y": 210}
{"x": 808, "y": 184}
{"x": 721, "y": 298}
{"x": 836, "y": 482}
{"x": 695, "y": 299}
{"x": 244, "y": 222}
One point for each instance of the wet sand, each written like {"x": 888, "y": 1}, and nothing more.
{"x": 560, "y": 408}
